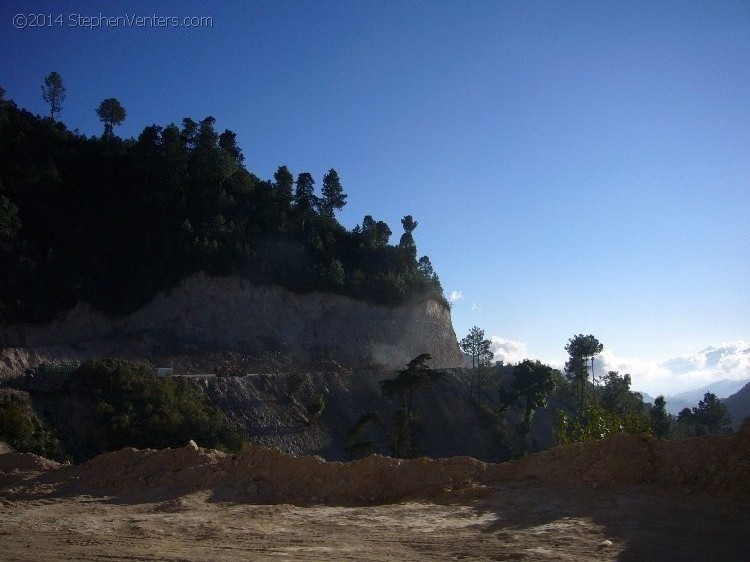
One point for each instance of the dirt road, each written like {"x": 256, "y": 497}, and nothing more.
{"x": 521, "y": 523}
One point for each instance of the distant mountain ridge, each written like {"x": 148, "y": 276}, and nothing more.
{"x": 724, "y": 389}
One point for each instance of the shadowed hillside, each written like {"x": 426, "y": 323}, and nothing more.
{"x": 112, "y": 222}
{"x": 738, "y": 405}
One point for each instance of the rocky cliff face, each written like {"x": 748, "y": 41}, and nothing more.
{"x": 230, "y": 313}
{"x": 273, "y": 411}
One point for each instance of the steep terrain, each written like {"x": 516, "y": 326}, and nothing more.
{"x": 738, "y": 405}
{"x": 229, "y": 313}
{"x": 229, "y": 326}
{"x": 273, "y": 410}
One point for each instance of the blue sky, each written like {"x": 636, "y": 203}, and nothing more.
{"x": 575, "y": 167}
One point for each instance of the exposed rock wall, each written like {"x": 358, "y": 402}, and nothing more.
{"x": 272, "y": 409}
{"x": 231, "y": 313}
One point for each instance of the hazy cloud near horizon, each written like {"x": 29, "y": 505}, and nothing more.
{"x": 678, "y": 374}
{"x": 508, "y": 351}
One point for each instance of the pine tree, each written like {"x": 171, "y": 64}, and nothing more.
{"x": 333, "y": 194}
{"x": 53, "y": 92}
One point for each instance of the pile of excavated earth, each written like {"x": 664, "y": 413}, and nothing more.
{"x": 625, "y": 498}
{"x": 719, "y": 465}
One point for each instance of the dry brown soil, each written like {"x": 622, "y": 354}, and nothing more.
{"x": 624, "y": 498}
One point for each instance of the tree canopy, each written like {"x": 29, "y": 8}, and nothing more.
{"x": 617, "y": 397}
{"x": 710, "y": 416}
{"x": 403, "y": 433}
{"x": 111, "y": 113}
{"x": 660, "y": 421}
{"x": 581, "y": 349}
{"x": 53, "y": 92}
{"x": 113, "y": 221}
{"x": 532, "y": 383}
{"x": 404, "y": 430}
{"x": 477, "y": 347}
{"x": 333, "y": 198}
{"x": 134, "y": 408}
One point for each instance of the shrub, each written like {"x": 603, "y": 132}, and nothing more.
{"x": 21, "y": 429}
{"x": 595, "y": 423}
{"x": 315, "y": 410}
{"x": 135, "y": 408}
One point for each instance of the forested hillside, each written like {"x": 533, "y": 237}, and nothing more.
{"x": 738, "y": 405}
{"x": 112, "y": 221}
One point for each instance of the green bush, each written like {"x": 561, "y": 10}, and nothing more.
{"x": 595, "y": 423}
{"x": 135, "y": 408}
{"x": 20, "y": 428}
{"x": 315, "y": 409}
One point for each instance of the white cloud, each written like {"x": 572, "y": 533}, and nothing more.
{"x": 730, "y": 361}
{"x": 475, "y": 307}
{"x": 648, "y": 376}
{"x": 727, "y": 358}
{"x": 508, "y": 351}
{"x": 456, "y": 296}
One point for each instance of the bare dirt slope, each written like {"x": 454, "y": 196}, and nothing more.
{"x": 230, "y": 313}
{"x": 273, "y": 410}
{"x": 625, "y": 498}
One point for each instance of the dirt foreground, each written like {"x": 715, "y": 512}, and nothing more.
{"x": 624, "y": 498}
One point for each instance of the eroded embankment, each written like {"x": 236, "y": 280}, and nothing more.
{"x": 230, "y": 313}
{"x": 260, "y": 475}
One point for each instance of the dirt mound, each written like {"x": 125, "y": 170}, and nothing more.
{"x": 21, "y": 469}
{"x": 708, "y": 463}
{"x": 261, "y": 475}
{"x": 23, "y": 462}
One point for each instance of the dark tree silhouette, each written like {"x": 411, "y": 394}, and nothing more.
{"x": 53, "y": 92}
{"x": 581, "y": 349}
{"x": 478, "y": 348}
{"x": 407, "y": 238}
{"x": 284, "y": 183}
{"x": 425, "y": 267}
{"x": 416, "y": 375}
{"x": 142, "y": 214}
{"x": 304, "y": 194}
{"x": 659, "y": 418}
{"x": 111, "y": 113}
{"x": 333, "y": 194}
{"x": 532, "y": 383}
{"x": 710, "y": 416}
